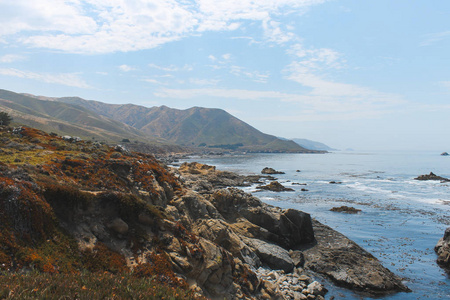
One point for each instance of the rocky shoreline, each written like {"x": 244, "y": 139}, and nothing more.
{"x": 106, "y": 209}
{"x": 286, "y": 244}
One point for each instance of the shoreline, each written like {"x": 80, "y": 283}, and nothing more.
{"x": 370, "y": 278}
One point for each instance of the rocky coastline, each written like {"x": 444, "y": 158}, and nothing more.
{"x": 287, "y": 244}
{"x": 69, "y": 207}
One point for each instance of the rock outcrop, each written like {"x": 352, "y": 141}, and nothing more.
{"x": 347, "y": 264}
{"x": 444, "y": 154}
{"x": 275, "y": 186}
{"x": 186, "y": 228}
{"x": 432, "y": 176}
{"x": 443, "y": 251}
{"x": 346, "y": 209}
{"x": 270, "y": 171}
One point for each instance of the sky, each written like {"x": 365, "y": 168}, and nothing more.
{"x": 366, "y": 75}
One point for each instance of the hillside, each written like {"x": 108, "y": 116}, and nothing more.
{"x": 196, "y": 126}
{"x": 81, "y": 220}
{"x": 67, "y": 119}
{"x": 312, "y": 145}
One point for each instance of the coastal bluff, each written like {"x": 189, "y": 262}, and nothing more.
{"x": 77, "y": 207}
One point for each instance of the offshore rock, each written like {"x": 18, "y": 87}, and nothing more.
{"x": 443, "y": 251}
{"x": 432, "y": 176}
{"x": 444, "y": 154}
{"x": 270, "y": 171}
{"x": 346, "y": 209}
{"x": 349, "y": 265}
{"x": 275, "y": 186}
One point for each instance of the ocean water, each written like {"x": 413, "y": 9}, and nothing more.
{"x": 401, "y": 219}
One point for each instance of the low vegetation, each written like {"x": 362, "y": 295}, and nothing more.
{"x": 46, "y": 183}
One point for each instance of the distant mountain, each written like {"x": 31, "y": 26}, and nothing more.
{"x": 68, "y": 119}
{"x": 312, "y": 145}
{"x": 197, "y": 126}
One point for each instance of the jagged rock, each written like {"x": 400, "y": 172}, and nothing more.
{"x": 346, "y": 209}
{"x": 214, "y": 272}
{"x": 443, "y": 251}
{"x": 432, "y": 176}
{"x": 316, "y": 289}
{"x": 196, "y": 168}
{"x": 288, "y": 228}
{"x": 270, "y": 171}
{"x": 219, "y": 232}
{"x": 194, "y": 206}
{"x": 275, "y": 186}
{"x": 349, "y": 265}
{"x": 297, "y": 258}
{"x": 274, "y": 256}
{"x": 118, "y": 225}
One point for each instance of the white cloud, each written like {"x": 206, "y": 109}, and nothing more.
{"x": 221, "y": 93}
{"x": 198, "y": 81}
{"x": 253, "y": 75}
{"x": 315, "y": 59}
{"x": 433, "y": 38}
{"x": 274, "y": 33}
{"x": 226, "y": 56}
{"x": 171, "y": 68}
{"x": 154, "y": 81}
{"x": 45, "y": 15}
{"x": 126, "y": 68}
{"x": 105, "y": 26}
{"x": 68, "y": 79}
{"x": 327, "y": 101}
{"x": 445, "y": 84}
{"x": 10, "y": 58}
{"x": 329, "y": 96}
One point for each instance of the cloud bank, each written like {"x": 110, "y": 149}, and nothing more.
{"x": 106, "y": 26}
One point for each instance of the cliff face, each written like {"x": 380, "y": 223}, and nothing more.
{"x": 68, "y": 206}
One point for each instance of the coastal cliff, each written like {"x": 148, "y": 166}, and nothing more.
{"x": 75, "y": 207}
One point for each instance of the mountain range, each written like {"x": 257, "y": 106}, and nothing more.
{"x": 158, "y": 126}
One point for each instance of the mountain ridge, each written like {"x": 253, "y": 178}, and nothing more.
{"x": 198, "y": 128}
{"x": 194, "y": 127}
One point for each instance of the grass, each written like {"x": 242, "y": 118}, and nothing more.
{"x": 44, "y": 180}
{"x": 86, "y": 286}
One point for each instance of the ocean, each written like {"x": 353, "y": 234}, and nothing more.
{"x": 401, "y": 219}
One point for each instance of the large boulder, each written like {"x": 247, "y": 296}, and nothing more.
{"x": 272, "y": 255}
{"x": 443, "y": 251}
{"x": 349, "y": 265}
{"x": 220, "y": 232}
{"x": 287, "y": 228}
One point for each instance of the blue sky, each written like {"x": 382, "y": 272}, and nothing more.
{"x": 371, "y": 74}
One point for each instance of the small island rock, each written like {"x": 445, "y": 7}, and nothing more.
{"x": 346, "y": 209}
{"x": 444, "y": 154}
{"x": 270, "y": 171}
{"x": 275, "y": 186}
{"x": 432, "y": 176}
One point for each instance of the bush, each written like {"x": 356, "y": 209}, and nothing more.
{"x": 5, "y": 119}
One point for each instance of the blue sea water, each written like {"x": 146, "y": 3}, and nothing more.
{"x": 401, "y": 219}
